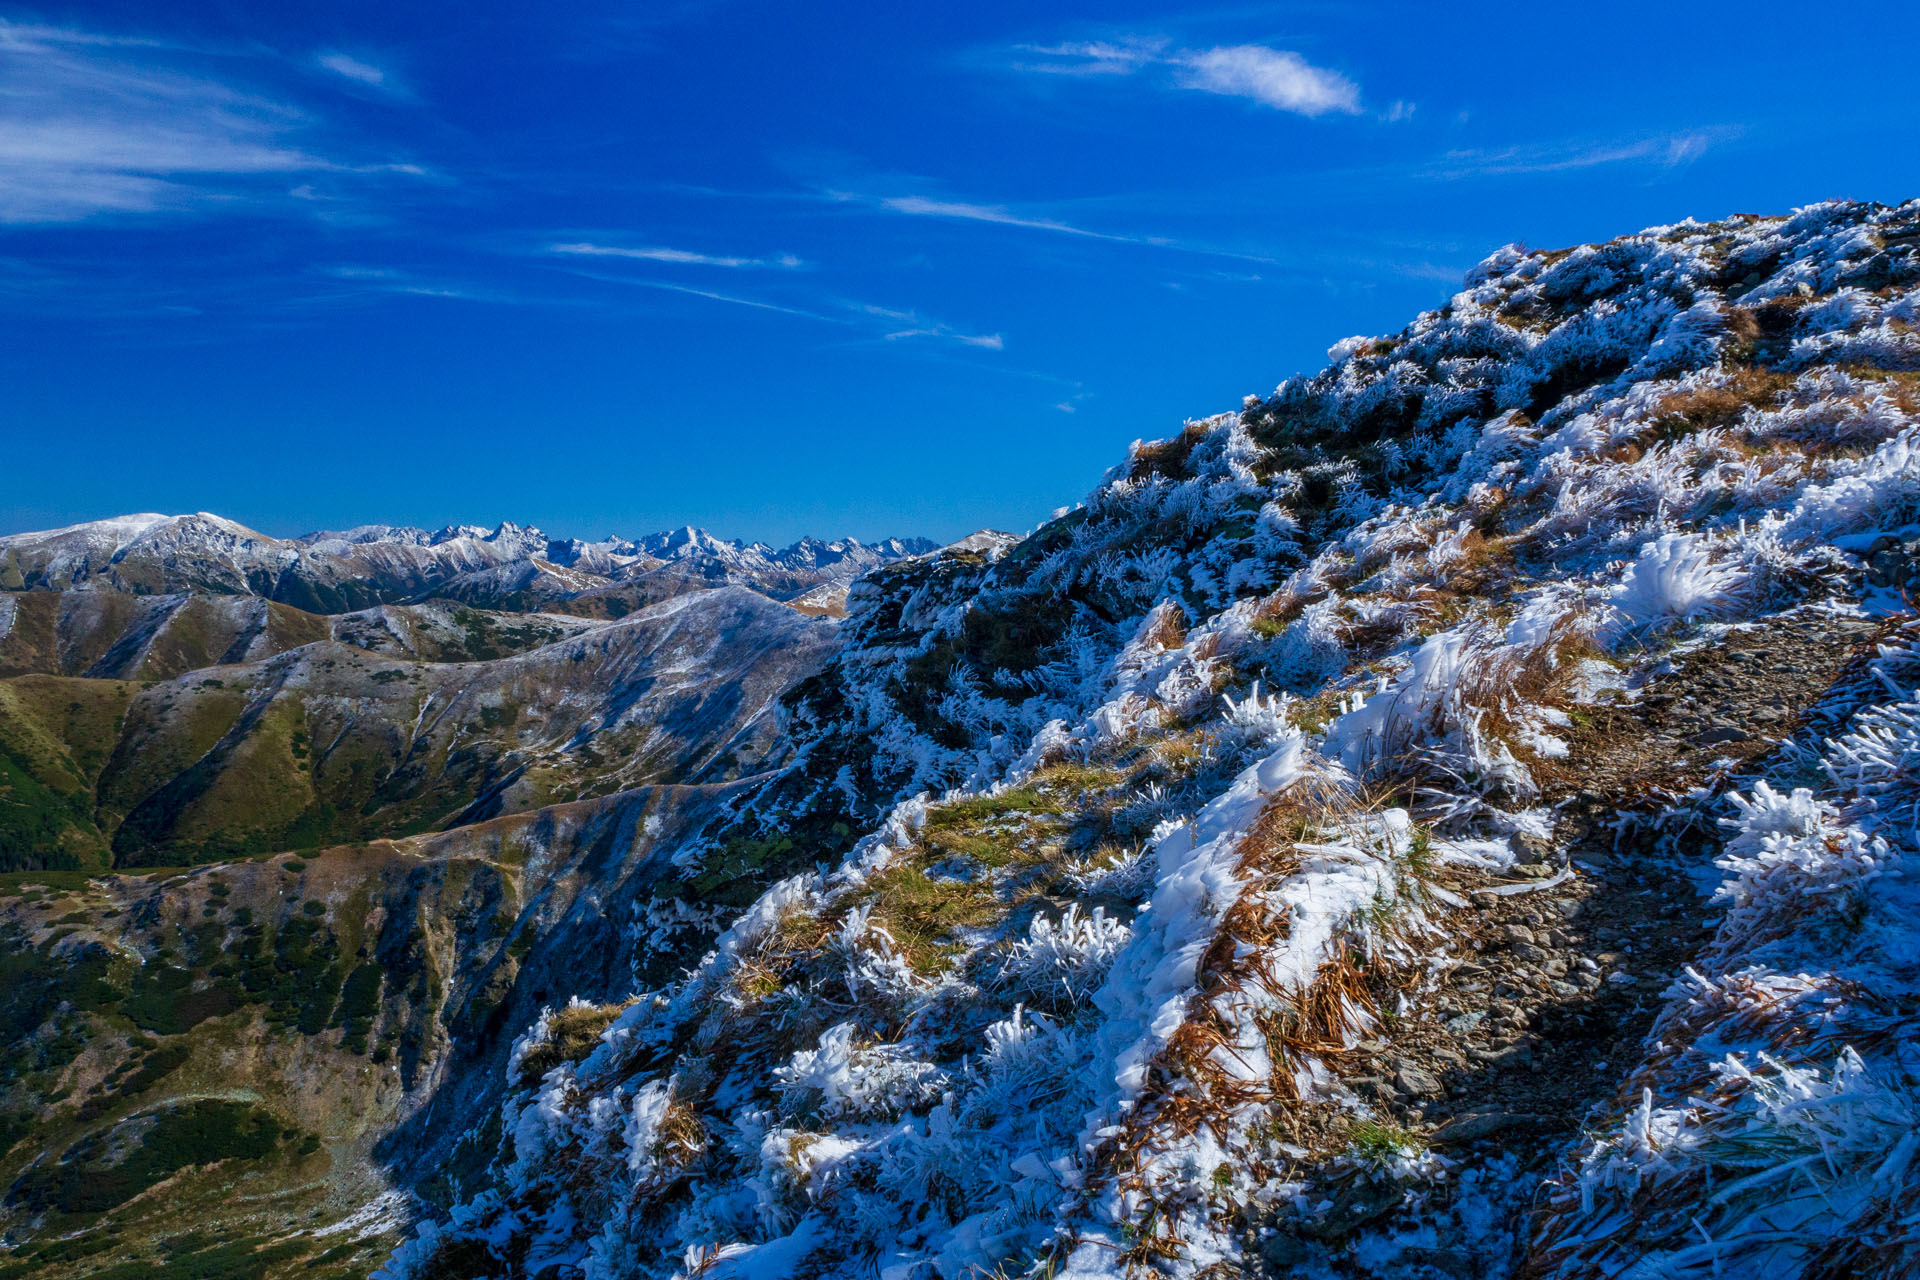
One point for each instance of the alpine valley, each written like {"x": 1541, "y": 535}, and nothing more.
{"x": 1453, "y": 816}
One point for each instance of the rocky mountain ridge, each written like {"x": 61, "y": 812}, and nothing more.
{"x": 1450, "y": 816}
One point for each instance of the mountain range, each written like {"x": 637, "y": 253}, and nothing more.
{"x": 506, "y": 567}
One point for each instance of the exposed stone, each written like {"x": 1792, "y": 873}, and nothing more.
{"x": 1480, "y": 1124}
{"x": 1282, "y": 1249}
{"x": 1518, "y": 1055}
{"x": 1417, "y": 1082}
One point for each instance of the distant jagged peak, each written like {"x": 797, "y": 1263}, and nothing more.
{"x": 453, "y": 532}
{"x": 359, "y": 534}
{"x": 688, "y": 541}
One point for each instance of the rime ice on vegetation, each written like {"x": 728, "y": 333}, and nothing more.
{"x": 1144, "y": 838}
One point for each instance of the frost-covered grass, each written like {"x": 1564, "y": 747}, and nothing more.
{"x": 1044, "y": 1022}
{"x": 1774, "y": 1131}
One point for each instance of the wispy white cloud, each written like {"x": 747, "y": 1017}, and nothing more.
{"x": 990, "y": 341}
{"x": 685, "y": 257}
{"x": 887, "y": 324}
{"x": 1277, "y": 78}
{"x": 342, "y": 64}
{"x": 1667, "y": 151}
{"x": 914, "y": 325}
{"x": 756, "y": 303}
{"x": 391, "y": 280}
{"x": 923, "y": 207}
{"x": 1093, "y": 57}
{"x": 920, "y": 206}
{"x": 86, "y": 129}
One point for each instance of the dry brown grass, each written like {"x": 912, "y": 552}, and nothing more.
{"x": 1274, "y": 614}
{"x": 1500, "y": 684}
{"x": 1324, "y": 1017}
{"x": 683, "y": 1136}
{"x": 1187, "y": 753}
{"x": 1200, "y": 1080}
{"x": 1167, "y": 457}
{"x": 572, "y": 1034}
{"x": 1485, "y": 562}
{"x": 1169, "y": 630}
{"x": 1684, "y": 412}
{"x": 1372, "y": 638}
{"x": 763, "y": 973}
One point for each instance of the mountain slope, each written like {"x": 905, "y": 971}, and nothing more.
{"x": 329, "y": 742}
{"x": 258, "y": 1065}
{"x": 1258, "y": 821}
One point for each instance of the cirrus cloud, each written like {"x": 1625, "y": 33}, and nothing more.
{"x": 94, "y": 124}
{"x": 682, "y": 257}
{"x": 352, "y": 68}
{"x": 1277, "y": 78}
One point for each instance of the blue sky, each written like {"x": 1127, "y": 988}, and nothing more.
{"x": 783, "y": 269}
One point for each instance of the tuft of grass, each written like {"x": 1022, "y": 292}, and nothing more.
{"x": 973, "y": 810}
{"x": 1684, "y": 412}
{"x": 572, "y": 1034}
{"x": 986, "y": 850}
{"x": 1075, "y": 777}
{"x": 1187, "y": 753}
{"x": 1378, "y": 1142}
{"x": 758, "y": 981}
{"x": 1420, "y": 859}
{"x": 920, "y": 913}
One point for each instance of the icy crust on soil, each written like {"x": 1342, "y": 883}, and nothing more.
{"x": 1152, "y": 856}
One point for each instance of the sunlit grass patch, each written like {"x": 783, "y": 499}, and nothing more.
{"x": 921, "y": 913}
{"x": 977, "y": 809}
{"x": 1379, "y": 1143}
{"x": 572, "y": 1034}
